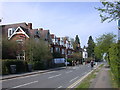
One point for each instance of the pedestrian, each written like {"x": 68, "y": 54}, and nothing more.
{"x": 92, "y": 63}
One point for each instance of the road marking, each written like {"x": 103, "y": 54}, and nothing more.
{"x": 25, "y": 84}
{"x": 54, "y": 76}
{"x": 49, "y": 72}
{"x": 73, "y": 79}
{"x": 79, "y": 80}
{"x": 28, "y": 76}
{"x": 69, "y": 72}
{"x": 60, "y": 87}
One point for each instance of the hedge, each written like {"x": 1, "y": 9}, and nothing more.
{"x": 38, "y": 65}
{"x": 21, "y": 66}
{"x": 114, "y": 56}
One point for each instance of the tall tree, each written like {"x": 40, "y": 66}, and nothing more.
{"x": 76, "y": 44}
{"x": 90, "y": 48}
{"x": 110, "y": 10}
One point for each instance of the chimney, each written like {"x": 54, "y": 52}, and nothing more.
{"x": 30, "y": 25}
{"x": 41, "y": 29}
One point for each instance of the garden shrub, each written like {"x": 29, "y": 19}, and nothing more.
{"x": 21, "y": 66}
{"x": 38, "y": 65}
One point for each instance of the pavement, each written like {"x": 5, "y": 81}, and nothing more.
{"x": 102, "y": 79}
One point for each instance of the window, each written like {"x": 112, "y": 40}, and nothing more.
{"x": 63, "y": 51}
{"x": 51, "y": 50}
{"x": 69, "y": 52}
{"x": 10, "y": 31}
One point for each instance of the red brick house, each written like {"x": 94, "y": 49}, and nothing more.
{"x": 61, "y": 45}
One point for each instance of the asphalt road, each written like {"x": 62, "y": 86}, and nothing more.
{"x": 55, "y": 79}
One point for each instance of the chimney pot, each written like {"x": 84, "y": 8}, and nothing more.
{"x": 30, "y": 25}
{"x": 40, "y": 29}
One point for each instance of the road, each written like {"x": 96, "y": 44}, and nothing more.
{"x": 54, "y": 79}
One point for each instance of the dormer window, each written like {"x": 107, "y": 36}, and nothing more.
{"x": 10, "y": 31}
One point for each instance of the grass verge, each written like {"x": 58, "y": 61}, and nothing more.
{"x": 87, "y": 81}
{"x": 113, "y": 80}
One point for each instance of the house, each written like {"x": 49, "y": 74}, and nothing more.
{"x": 45, "y": 35}
{"x": 84, "y": 53}
{"x": 55, "y": 46}
{"x": 62, "y": 45}
{"x": 19, "y": 32}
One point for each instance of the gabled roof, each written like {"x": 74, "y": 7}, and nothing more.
{"x": 23, "y": 31}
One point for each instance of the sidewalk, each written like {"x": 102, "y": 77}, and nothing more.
{"x": 3, "y": 77}
{"x": 102, "y": 79}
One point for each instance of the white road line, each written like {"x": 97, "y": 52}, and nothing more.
{"x": 73, "y": 79}
{"x": 69, "y": 72}
{"x": 60, "y": 87}
{"x": 78, "y": 81}
{"x": 29, "y": 76}
{"x": 25, "y": 84}
{"x": 49, "y": 72}
{"x": 54, "y": 76}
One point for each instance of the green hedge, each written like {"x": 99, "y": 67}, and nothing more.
{"x": 38, "y": 65}
{"x": 114, "y": 56}
{"x": 21, "y": 66}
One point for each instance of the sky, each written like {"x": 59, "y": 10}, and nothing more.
{"x": 61, "y": 18}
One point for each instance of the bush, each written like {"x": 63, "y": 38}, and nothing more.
{"x": 115, "y": 61}
{"x": 21, "y": 66}
{"x": 70, "y": 61}
{"x": 38, "y": 65}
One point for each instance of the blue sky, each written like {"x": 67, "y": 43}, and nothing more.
{"x": 61, "y": 18}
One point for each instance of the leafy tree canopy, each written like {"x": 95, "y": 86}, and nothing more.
{"x": 103, "y": 44}
{"x": 109, "y": 11}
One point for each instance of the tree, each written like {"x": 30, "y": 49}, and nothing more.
{"x": 38, "y": 52}
{"x": 90, "y": 48}
{"x": 77, "y": 56}
{"x": 9, "y": 49}
{"x": 76, "y": 44}
{"x": 103, "y": 44}
{"x": 110, "y": 11}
